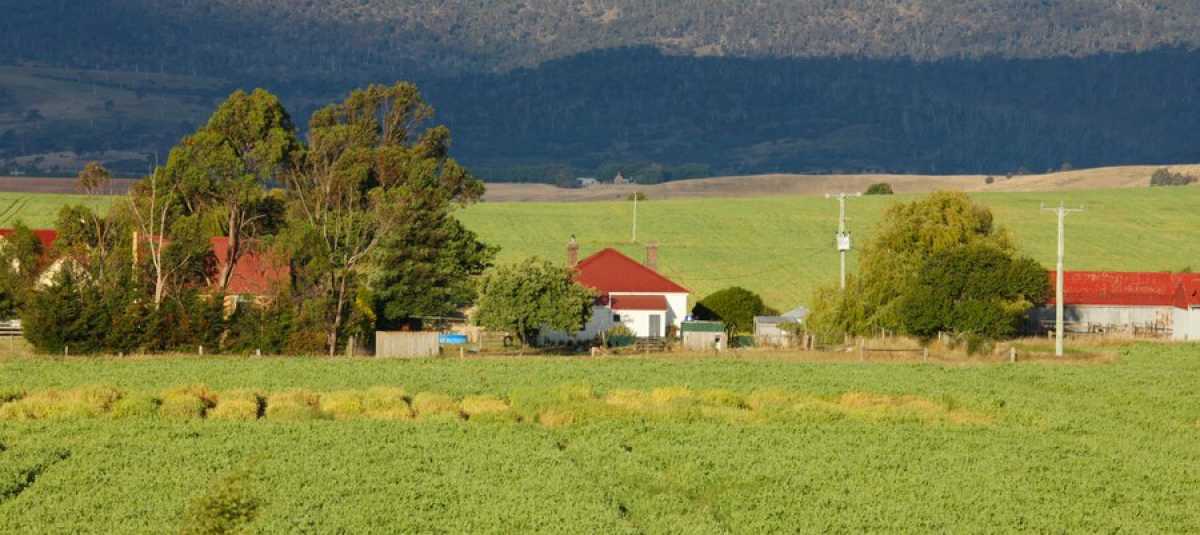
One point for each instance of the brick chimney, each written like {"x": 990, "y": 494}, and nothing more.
{"x": 572, "y": 252}
{"x": 652, "y": 255}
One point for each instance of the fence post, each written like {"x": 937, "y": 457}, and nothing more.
{"x": 862, "y": 349}
{"x": 1012, "y": 354}
{"x": 925, "y": 354}
{"x": 201, "y": 351}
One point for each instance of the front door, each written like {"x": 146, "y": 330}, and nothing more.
{"x": 655, "y": 325}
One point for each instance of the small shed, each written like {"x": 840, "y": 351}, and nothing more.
{"x": 704, "y": 336}
{"x": 770, "y": 331}
{"x": 406, "y": 344}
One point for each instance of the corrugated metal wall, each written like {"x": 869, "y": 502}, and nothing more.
{"x": 406, "y": 344}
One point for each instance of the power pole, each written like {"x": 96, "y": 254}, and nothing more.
{"x": 843, "y": 237}
{"x": 1062, "y": 212}
{"x": 635, "y": 201}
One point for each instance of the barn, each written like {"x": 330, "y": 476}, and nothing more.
{"x": 629, "y": 293}
{"x": 1128, "y": 303}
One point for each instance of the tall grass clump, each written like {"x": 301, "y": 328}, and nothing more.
{"x": 294, "y": 405}
{"x": 238, "y": 405}
{"x": 82, "y": 402}
{"x": 227, "y": 506}
{"x": 431, "y": 405}
{"x": 136, "y": 405}
{"x": 386, "y": 403}
{"x": 187, "y": 402}
{"x": 343, "y": 405}
{"x": 485, "y": 408}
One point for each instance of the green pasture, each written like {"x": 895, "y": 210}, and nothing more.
{"x": 782, "y": 247}
{"x": 1062, "y": 447}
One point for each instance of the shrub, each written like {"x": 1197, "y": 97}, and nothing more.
{"x": 343, "y": 405}
{"x": 429, "y": 404}
{"x": 735, "y": 306}
{"x": 1164, "y": 177}
{"x": 294, "y": 405}
{"x": 136, "y": 406}
{"x": 241, "y": 405}
{"x": 386, "y": 403}
{"x": 188, "y": 402}
{"x": 227, "y": 507}
{"x": 880, "y": 188}
{"x": 636, "y": 195}
{"x": 989, "y": 180}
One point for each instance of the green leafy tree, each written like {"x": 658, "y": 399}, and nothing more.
{"x": 371, "y": 175}
{"x": 907, "y": 237}
{"x": 222, "y": 172}
{"x": 525, "y": 298}
{"x": 22, "y": 259}
{"x": 973, "y": 289}
{"x": 735, "y": 306}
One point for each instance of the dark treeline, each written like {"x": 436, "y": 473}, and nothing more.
{"x": 669, "y": 116}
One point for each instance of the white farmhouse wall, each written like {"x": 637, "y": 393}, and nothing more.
{"x": 677, "y": 302}
{"x": 601, "y": 321}
{"x": 638, "y": 321}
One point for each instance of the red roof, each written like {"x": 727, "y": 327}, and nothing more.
{"x": 610, "y": 271}
{"x": 256, "y": 273}
{"x": 638, "y": 302}
{"x": 1128, "y": 289}
{"x": 46, "y": 236}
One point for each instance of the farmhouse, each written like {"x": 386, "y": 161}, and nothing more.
{"x": 256, "y": 274}
{"x": 1136, "y": 304}
{"x": 629, "y": 293}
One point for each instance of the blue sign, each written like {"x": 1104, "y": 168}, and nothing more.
{"x": 449, "y": 339}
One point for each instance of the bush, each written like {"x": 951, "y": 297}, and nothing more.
{"x": 989, "y": 180}
{"x": 225, "y": 508}
{"x": 735, "y": 306}
{"x": 636, "y": 195}
{"x": 1164, "y": 177}
{"x": 880, "y": 188}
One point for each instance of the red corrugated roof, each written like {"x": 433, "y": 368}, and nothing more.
{"x": 256, "y": 273}
{"x": 610, "y": 271}
{"x": 1127, "y": 288}
{"x": 46, "y": 236}
{"x": 638, "y": 302}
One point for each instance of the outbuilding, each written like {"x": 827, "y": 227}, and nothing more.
{"x": 1142, "y": 304}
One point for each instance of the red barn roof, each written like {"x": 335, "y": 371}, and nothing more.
{"x": 256, "y": 273}
{"x": 46, "y": 236}
{"x": 610, "y": 271}
{"x": 1128, "y": 288}
{"x": 638, "y": 302}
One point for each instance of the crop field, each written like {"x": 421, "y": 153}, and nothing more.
{"x": 782, "y": 247}
{"x": 628, "y": 445}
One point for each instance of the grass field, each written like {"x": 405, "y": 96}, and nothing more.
{"x": 1039, "y": 447}
{"x": 782, "y": 247}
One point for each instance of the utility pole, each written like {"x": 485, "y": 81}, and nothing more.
{"x": 843, "y": 237}
{"x": 635, "y": 201}
{"x": 1062, "y": 212}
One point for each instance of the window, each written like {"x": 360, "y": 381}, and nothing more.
{"x": 617, "y": 318}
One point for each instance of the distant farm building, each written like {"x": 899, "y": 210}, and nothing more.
{"x": 620, "y": 179}
{"x": 630, "y": 293}
{"x": 773, "y": 330}
{"x": 1134, "y": 304}
{"x": 585, "y": 182}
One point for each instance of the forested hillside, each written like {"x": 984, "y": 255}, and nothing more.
{"x": 310, "y": 40}
{"x": 541, "y": 90}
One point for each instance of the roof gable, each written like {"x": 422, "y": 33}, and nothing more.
{"x": 256, "y": 272}
{"x": 610, "y": 271}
